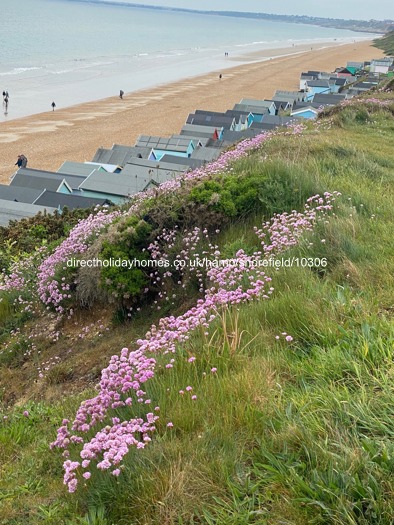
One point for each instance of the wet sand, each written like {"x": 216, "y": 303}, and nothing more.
{"x": 75, "y": 133}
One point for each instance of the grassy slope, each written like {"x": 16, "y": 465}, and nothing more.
{"x": 386, "y": 43}
{"x": 296, "y": 434}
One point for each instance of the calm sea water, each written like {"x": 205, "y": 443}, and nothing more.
{"x": 73, "y": 52}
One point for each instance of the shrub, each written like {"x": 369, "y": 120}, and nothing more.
{"x": 123, "y": 282}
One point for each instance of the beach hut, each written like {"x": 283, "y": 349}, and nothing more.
{"x": 194, "y": 130}
{"x": 330, "y": 99}
{"x": 114, "y": 187}
{"x": 158, "y": 171}
{"x": 381, "y": 65}
{"x": 273, "y": 122}
{"x": 40, "y": 180}
{"x": 119, "y": 155}
{"x": 316, "y": 86}
{"x": 260, "y": 103}
{"x": 257, "y": 112}
{"x": 304, "y": 79}
{"x": 182, "y": 147}
{"x": 61, "y": 200}
{"x": 14, "y": 211}
{"x": 298, "y": 96}
{"x": 201, "y": 119}
{"x": 181, "y": 163}
{"x": 240, "y": 119}
{"x": 207, "y": 154}
{"x": 19, "y": 194}
{"x": 80, "y": 169}
{"x": 308, "y": 112}
{"x": 73, "y": 181}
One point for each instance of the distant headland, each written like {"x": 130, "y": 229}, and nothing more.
{"x": 364, "y": 26}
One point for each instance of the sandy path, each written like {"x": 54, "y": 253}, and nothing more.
{"x": 75, "y": 133}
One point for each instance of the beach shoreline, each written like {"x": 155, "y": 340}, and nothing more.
{"x": 75, "y": 132}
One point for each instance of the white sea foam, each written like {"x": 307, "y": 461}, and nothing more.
{"x": 19, "y": 71}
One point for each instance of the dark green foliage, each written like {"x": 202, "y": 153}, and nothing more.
{"x": 122, "y": 282}
{"x": 269, "y": 187}
{"x": 26, "y": 234}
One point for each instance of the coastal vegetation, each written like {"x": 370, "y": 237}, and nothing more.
{"x": 261, "y": 396}
{"x": 386, "y": 43}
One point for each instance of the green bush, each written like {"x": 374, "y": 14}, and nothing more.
{"x": 124, "y": 283}
{"x": 269, "y": 187}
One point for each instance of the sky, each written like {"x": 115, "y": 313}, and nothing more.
{"x": 358, "y": 9}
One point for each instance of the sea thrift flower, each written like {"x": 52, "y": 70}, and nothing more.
{"x": 122, "y": 382}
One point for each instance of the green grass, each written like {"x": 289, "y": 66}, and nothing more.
{"x": 297, "y": 433}
{"x": 386, "y": 43}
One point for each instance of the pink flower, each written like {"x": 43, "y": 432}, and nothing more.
{"x": 170, "y": 425}
{"x": 214, "y": 370}
{"x": 26, "y": 413}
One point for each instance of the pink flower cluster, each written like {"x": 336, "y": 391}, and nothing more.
{"x": 284, "y": 230}
{"x": 370, "y": 100}
{"x": 20, "y": 274}
{"x": 51, "y": 291}
{"x": 122, "y": 381}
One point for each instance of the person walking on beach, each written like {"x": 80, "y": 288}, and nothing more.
{"x": 21, "y": 161}
{"x": 53, "y": 106}
{"x": 121, "y": 93}
{"x": 220, "y": 76}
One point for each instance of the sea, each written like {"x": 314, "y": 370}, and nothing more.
{"x": 70, "y": 51}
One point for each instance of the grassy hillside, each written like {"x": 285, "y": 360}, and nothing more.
{"x": 386, "y": 43}
{"x": 292, "y": 416}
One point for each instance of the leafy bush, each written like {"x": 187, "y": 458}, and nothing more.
{"x": 28, "y": 233}
{"x": 269, "y": 187}
{"x": 122, "y": 282}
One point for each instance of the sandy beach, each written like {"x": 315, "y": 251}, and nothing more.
{"x": 75, "y": 133}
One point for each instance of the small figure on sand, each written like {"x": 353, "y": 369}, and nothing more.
{"x": 220, "y": 76}
{"x": 21, "y": 161}
{"x": 53, "y": 106}
{"x": 121, "y": 93}
{"x": 5, "y": 99}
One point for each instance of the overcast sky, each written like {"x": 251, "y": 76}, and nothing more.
{"x": 359, "y": 9}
